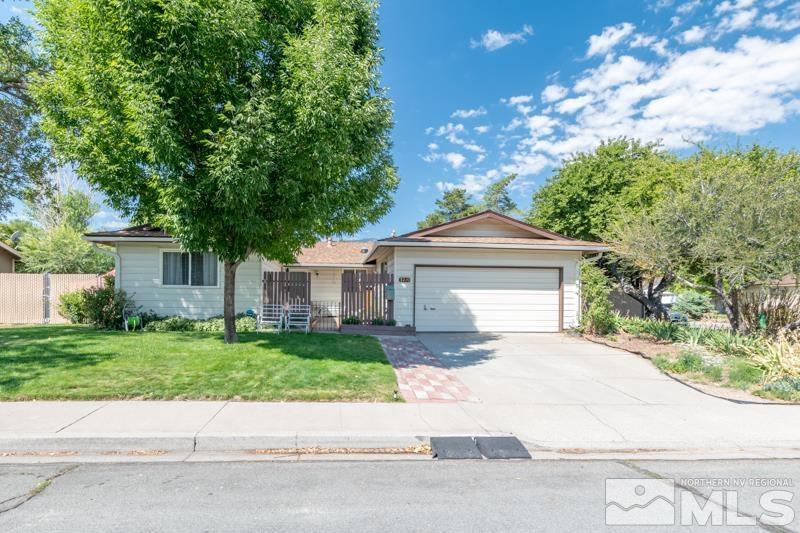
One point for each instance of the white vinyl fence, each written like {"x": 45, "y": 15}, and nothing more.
{"x": 33, "y": 298}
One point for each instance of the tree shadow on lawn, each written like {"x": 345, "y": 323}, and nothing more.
{"x": 24, "y": 358}
{"x": 320, "y": 346}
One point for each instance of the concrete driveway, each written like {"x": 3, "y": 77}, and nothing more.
{"x": 554, "y": 369}
{"x": 555, "y": 390}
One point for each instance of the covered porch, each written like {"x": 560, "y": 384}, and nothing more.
{"x": 334, "y": 294}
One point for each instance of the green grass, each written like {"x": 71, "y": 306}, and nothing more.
{"x": 79, "y": 363}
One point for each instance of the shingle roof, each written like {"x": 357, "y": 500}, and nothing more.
{"x": 335, "y": 253}
{"x": 10, "y": 250}
{"x": 143, "y": 230}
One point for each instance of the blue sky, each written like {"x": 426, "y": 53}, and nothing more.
{"x": 481, "y": 88}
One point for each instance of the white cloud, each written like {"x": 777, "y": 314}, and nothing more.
{"x": 443, "y": 186}
{"x": 516, "y": 100}
{"x": 738, "y": 20}
{"x": 469, "y": 113}
{"x": 787, "y": 21}
{"x": 554, "y": 92}
{"x": 692, "y": 95}
{"x": 571, "y": 105}
{"x": 729, "y": 6}
{"x": 613, "y": 72}
{"x": 610, "y": 37}
{"x": 688, "y": 7}
{"x": 454, "y": 159}
{"x": 422, "y": 188}
{"x": 495, "y": 40}
{"x": 695, "y": 34}
{"x": 472, "y": 147}
{"x": 480, "y": 130}
{"x": 433, "y": 147}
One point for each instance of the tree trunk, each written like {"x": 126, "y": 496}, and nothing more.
{"x": 730, "y": 301}
{"x": 229, "y": 301}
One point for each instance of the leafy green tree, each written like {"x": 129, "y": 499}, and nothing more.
{"x": 592, "y": 190}
{"x": 25, "y": 157}
{"x": 454, "y": 203}
{"x": 497, "y": 197}
{"x": 735, "y": 223}
{"x": 61, "y": 250}
{"x": 56, "y": 245}
{"x": 241, "y": 127}
{"x": 13, "y": 230}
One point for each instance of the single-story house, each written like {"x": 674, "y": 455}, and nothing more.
{"x": 8, "y": 258}
{"x": 485, "y": 272}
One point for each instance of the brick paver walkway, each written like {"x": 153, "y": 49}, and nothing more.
{"x": 421, "y": 377}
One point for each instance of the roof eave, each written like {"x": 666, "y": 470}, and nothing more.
{"x": 107, "y": 239}
{"x": 508, "y": 246}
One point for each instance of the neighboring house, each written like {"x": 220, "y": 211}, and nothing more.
{"x": 8, "y": 258}
{"x": 486, "y": 272}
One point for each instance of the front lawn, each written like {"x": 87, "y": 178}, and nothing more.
{"x": 79, "y": 363}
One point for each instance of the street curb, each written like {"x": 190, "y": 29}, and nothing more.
{"x": 55, "y": 444}
{"x": 205, "y": 443}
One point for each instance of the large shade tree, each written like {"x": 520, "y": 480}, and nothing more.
{"x": 591, "y": 190}
{"x": 736, "y": 223}
{"x": 239, "y": 126}
{"x": 25, "y": 157}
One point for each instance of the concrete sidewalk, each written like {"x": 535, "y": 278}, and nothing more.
{"x": 196, "y": 426}
{"x": 219, "y": 426}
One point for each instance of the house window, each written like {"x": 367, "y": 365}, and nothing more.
{"x": 195, "y": 269}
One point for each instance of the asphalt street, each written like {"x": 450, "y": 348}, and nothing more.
{"x": 395, "y": 495}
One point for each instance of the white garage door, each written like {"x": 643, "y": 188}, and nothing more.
{"x": 486, "y": 299}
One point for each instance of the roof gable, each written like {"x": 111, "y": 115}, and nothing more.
{"x": 487, "y": 224}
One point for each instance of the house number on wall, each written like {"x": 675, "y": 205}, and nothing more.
{"x": 404, "y": 279}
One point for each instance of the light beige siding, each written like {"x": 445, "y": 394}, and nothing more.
{"x": 6, "y": 262}
{"x": 406, "y": 258}
{"x": 485, "y": 228}
{"x": 140, "y": 267}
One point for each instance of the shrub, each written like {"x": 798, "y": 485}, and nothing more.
{"x": 778, "y": 307}
{"x": 72, "y": 306}
{"x": 787, "y": 387}
{"x": 101, "y": 307}
{"x": 171, "y": 323}
{"x": 694, "y": 304}
{"x": 215, "y": 324}
{"x": 743, "y": 373}
{"x": 391, "y": 322}
{"x": 598, "y": 313}
{"x": 713, "y": 372}
{"x": 377, "y": 322}
{"x": 351, "y": 320}
{"x": 688, "y": 361}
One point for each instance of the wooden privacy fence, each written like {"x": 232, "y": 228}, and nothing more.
{"x": 364, "y": 295}
{"x": 286, "y": 288}
{"x": 33, "y": 298}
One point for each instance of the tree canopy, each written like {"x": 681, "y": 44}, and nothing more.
{"x": 454, "y": 203}
{"x": 56, "y": 243}
{"x": 497, "y": 198}
{"x": 457, "y": 203}
{"x": 592, "y": 189}
{"x": 241, "y": 127}
{"x": 25, "y": 157}
{"x": 736, "y": 222}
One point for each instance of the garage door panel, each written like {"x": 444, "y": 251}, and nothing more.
{"x": 486, "y": 299}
